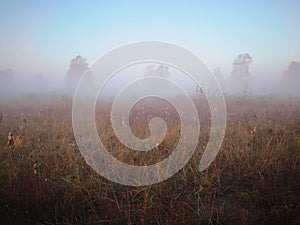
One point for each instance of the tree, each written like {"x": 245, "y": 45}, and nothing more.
{"x": 161, "y": 70}
{"x": 293, "y": 69}
{"x": 241, "y": 65}
{"x": 77, "y": 67}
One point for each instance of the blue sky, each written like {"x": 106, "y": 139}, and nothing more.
{"x": 42, "y": 36}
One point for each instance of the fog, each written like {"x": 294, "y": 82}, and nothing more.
{"x": 262, "y": 84}
{"x": 256, "y": 83}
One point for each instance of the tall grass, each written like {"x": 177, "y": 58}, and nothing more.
{"x": 254, "y": 179}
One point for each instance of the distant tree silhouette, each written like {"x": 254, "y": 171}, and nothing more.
{"x": 293, "y": 69}
{"x": 161, "y": 70}
{"x": 241, "y": 65}
{"x": 77, "y": 67}
{"x": 6, "y": 74}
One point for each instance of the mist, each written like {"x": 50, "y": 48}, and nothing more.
{"x": 262, "y": 84}
{"x": 257, "y": 83}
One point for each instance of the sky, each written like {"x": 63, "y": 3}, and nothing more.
{"x": 40, "y": 37}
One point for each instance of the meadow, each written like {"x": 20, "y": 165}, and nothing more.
{"x": 255, "y": 178}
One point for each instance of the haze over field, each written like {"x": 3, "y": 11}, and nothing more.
{"x": 38, "y": 39}
{"x": 155, "y": 145}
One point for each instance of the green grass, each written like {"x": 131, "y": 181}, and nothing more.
{"x": 255, "y": 178}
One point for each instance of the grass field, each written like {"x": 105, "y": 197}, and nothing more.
{"x": 255, "y": 178}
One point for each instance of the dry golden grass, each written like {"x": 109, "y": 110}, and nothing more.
{"x": 255, "y": 178}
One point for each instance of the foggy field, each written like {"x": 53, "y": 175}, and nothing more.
{"x": 150, "y": 112}
{"x": 255, "y": 178}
